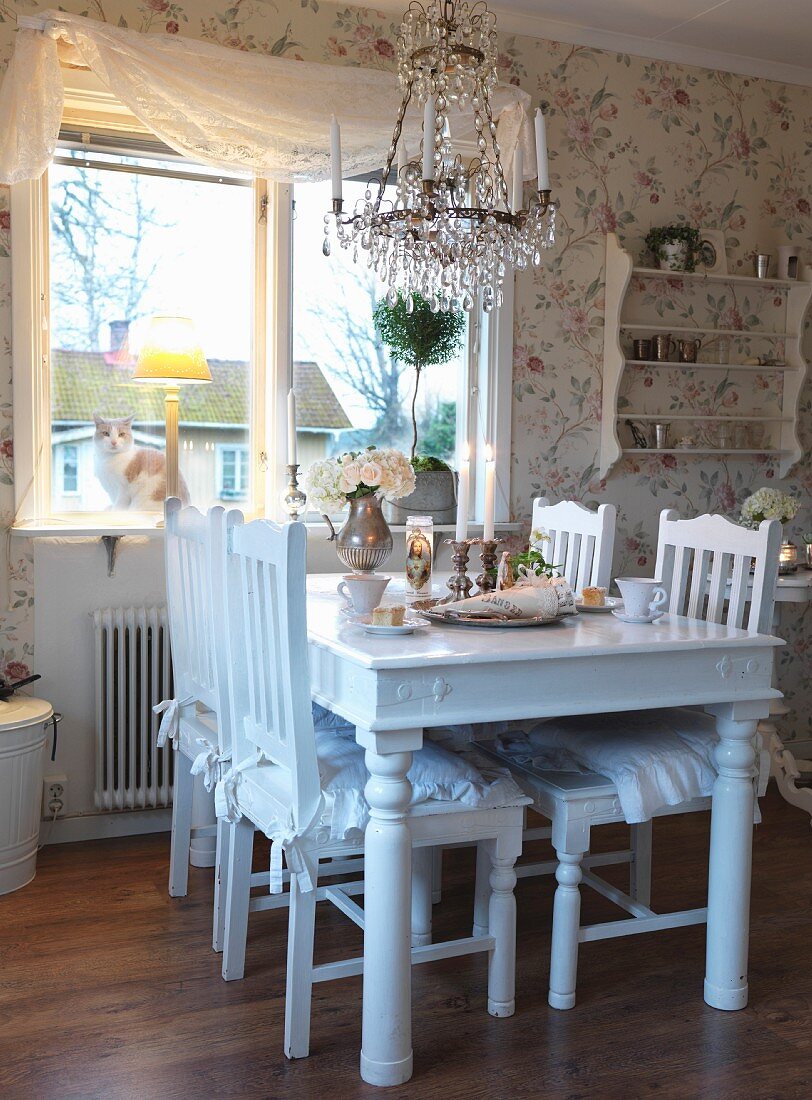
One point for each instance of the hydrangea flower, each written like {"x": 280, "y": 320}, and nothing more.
{"x": 768, "y": 504}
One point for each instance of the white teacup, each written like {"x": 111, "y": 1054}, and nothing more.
{"x": 642, "y": 597}
{"x": 362, "y": 591}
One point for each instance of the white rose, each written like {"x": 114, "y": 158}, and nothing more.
{"x": 350, "y": 476}
{"x": 370, "y": 473}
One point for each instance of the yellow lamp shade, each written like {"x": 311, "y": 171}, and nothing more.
{"x": 171, "y": 355}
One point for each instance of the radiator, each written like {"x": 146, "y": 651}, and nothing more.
{"x": 133, "y": 673}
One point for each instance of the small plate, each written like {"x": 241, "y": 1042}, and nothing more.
{"x": 610, "y": 604}
{"x": 630, "y": 619}
{"x": 409, "y": 626}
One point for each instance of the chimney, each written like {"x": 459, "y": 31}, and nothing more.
{"x": 119, "y": 353}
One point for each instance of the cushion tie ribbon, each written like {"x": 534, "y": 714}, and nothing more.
{"x": 169, "y": 729}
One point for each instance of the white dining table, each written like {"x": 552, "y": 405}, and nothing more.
{"x": 393, "y": 688}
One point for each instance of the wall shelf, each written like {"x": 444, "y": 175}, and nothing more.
{"x": 712, "y": 277}
{"x": 784, "y": 444}
{"x": 707, "y": 366}
{"x": 692, "y": 330}
{"x": 699, "y": 451}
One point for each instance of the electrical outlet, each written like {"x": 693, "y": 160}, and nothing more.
{"x": 54, "y": 790}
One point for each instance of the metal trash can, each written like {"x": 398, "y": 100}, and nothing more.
{"x": 23, "y": 732}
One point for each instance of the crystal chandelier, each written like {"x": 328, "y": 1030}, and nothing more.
{"x": 452, "y": 233}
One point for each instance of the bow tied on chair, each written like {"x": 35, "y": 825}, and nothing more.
{"x": 169, "y": 729}
{"x": 208, "y": 763}
{"x": 287, "y": 838}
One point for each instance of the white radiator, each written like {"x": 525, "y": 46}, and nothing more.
{"x": 133, "y": 673}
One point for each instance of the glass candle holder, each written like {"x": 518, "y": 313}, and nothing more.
{"x": 419, "y": 555}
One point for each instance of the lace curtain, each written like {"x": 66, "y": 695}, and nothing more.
{"x": 223, "y": 107}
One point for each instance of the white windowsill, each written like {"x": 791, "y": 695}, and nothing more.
{"x": 96, "y": 530}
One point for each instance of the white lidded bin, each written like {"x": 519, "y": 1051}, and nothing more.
{"x": 23, "y": 733}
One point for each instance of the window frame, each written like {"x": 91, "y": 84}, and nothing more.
{"x": 63, "y": 491}
{"x": 485, "y": 408}
{"x": 30, "y": 216}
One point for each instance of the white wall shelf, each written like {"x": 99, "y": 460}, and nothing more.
{"x": 709, "y": 366}
{"x": 785, "y": 445}
{"x": 712, "y": 277}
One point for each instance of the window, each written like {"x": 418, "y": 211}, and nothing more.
{"x": 365, "y": 396}
{"x": 232, "y": 475}
{"x": 131, "y": 236}
{"x": 70, "y": 469}
{"x": 120, "y": 229}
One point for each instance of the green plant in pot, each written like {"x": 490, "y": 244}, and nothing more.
{"x": 674, "y": 247}
{"x": 419, "y": 337}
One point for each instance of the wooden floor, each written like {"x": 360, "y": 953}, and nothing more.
{"x": 109, "y": 990}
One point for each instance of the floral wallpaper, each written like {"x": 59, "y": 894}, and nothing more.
{"x": 633, "y": 143}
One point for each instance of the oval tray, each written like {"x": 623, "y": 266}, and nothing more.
{"x": 461, "y": 620}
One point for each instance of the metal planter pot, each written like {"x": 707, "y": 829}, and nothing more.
{"x": 435, "y": 495}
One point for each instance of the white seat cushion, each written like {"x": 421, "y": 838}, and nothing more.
{"x": 654, "y": 758}
{"x": 436, "y": 775}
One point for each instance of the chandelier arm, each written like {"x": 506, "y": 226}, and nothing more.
{"x": 393, "y": 148}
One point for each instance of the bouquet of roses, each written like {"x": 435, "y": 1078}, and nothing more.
{"x": 769, "y": 504}
{"x": 331, "y": 482}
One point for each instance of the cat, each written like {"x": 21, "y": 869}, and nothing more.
{"x": 133, "y": 477}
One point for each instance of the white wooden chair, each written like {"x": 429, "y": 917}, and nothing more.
{"x": 275, "y": 786}
{"x": 704, "y": 564}
{"x": 581, "y": 541}
{"x": 193, "y": 549}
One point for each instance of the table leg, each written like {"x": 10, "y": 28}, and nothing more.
{"x": 730, "y": 856}
{"x": 386, "y": 1044}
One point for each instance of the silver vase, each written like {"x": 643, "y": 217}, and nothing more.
{"x": 364, "y": 543}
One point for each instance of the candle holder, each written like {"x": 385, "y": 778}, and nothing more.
{"x": 294, "y": 499}
{"x": 486, "y": 581}
{"x": 459, "y": 583}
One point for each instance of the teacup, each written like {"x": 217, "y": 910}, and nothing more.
{"x": 642, "y": 597}
{"x": 362, "y": 591}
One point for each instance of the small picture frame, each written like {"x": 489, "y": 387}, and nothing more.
{"x": 712, "y": 257}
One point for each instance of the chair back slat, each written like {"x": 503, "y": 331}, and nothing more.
{"x": 266, "y": 631}
{"x": 581, "y": 541}
{"x": 721, "y": 555}
{"x": 193, "y": 592}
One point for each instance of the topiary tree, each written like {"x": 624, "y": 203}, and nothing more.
{"x": 419, "y": 337}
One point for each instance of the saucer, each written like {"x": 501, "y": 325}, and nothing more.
{"x": 409, "y": 626}
{"x": 611, "y": 604}
{"x": 635, "y": 619}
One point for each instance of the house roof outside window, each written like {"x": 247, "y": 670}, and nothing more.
{"x": 83, "y": 382}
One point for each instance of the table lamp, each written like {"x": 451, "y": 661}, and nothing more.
{"x": 171, "y": 357}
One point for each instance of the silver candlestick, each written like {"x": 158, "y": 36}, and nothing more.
{"x": 486, "y": 581}
{"x": 459, "y": 583}
{"x": 294, "y": 499}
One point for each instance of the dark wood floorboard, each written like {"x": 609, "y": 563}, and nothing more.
{"x": 109, "y": 990}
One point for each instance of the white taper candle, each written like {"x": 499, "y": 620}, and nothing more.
{"x": 403, "y": 157}
{"x": 429, "y": 119}
{"x": 541, "y": 152}
{"x": 291, "y": 428}
{"x": 335, "y": 156}
{"x": 518, "y": 179}
{"x": 490, "y": 488}
{"x": 462, "y": 494}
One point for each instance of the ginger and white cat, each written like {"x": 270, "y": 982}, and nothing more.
{"x": 133, "y": 477}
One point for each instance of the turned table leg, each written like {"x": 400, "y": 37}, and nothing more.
{"x": 386, "y": 1046}
{"x": 730, "y": 856}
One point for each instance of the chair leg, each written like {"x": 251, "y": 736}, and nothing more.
{"x": 566, "y": 925}
{"x": 422, "y": 869}
{"x": 482, "y": 890}
{"x": 221, "y": 884}
{"x": 181, "y": 827}
{"x": 299, "y": 983}
{"x": 436, "y": 875}
{"x": 502, "y": 926}
{"x": 238, "y": 896}
{"x": 640, "y": 866}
